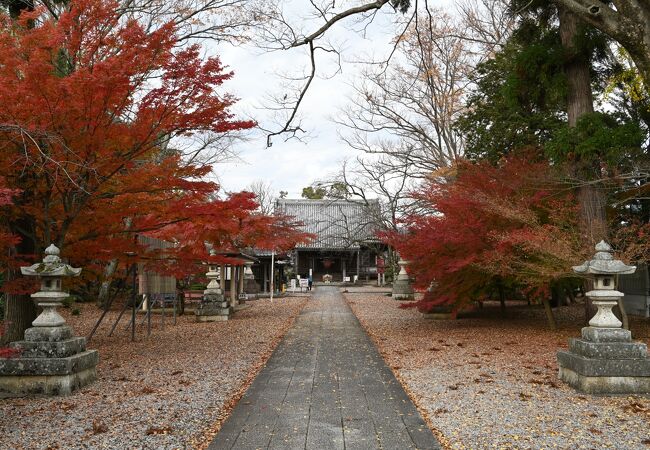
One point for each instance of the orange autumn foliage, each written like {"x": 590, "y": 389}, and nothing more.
{"x": 92, "y": 106}
{"x": 514, "y": 222}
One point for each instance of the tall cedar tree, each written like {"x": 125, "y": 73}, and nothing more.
{"x": 538, "y": 91}
{"x": 88, "y": 102}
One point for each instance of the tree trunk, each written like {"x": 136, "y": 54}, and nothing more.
{"x": 104, "y": 288}
{"x": 20, "y": 310}
{"x": 580, "y": 101}
{"x": 576, "y": 67}
{"x": 628, "y": 24}
{"x": 593, "y": 220}
{"x": 502, "y": 298}
{"x": 556, "y": 295}
{"x": 549, "y": 314}
{"x": 181, "y": 302}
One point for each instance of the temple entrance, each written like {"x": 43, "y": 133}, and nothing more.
{"x": 338, "y": 264}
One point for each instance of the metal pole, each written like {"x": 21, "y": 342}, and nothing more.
{"x": 163, "y": 315}
{"x": 149, "y": 308}
{"x": 144, "y": 317}
{"x": 133, "y": 295}
{"x": 119, "y": 317}
{"x": 108, "y": 307}
{"x": 175, "y": 301}
{"x": 272, "y": 272}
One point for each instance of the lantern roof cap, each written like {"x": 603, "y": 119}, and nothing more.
{"x": 604, "y": 263}
{"x": 51, "y": 266}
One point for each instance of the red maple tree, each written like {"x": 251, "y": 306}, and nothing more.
{"x": 92, "y": 108}
{"x": 230, "y": 225}
{"x": 512, "y": 223}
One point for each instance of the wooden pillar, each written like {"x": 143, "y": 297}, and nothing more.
{"x": 343, "y": 261}
{"x": 358, "y": 264}
{"x": 240, "y": 269}
{"x": 266, "y": 278}
{"x": 233, "y": 287}
{"x": 222, "y": 278}
{"x": 297, "y": 263}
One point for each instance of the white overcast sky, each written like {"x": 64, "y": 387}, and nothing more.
{"x": 292, "y": 165}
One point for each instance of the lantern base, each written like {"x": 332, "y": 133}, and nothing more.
{"x": 605, "y": 385}
{"x": 595, "y": 334}
{"x": 605, "y": 361}
{"x": 213, "y": 318}
{"x": 213, "y": 309}
{"x": 52, "y": 361}
{"x": 44, "y": 349}
{"x": 21, "y": 377}
{"x": 402, "y": 290}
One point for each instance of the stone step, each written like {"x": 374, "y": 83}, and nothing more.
{"x": 593, "y": 367}
{"x": 608, "y": 350}
{"x": 212, "y": 309}
{"x": 49, "y": 366}
{"x": 595, "y": 334}
{"x": 48, "y": 334}
{"x": 45, "y": 349}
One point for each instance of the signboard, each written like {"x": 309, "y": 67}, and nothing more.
{"x": 346, "y": 279}
{"x": 304, "y": 283}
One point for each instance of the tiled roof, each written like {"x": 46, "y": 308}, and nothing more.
{"x": 337, "y": 224}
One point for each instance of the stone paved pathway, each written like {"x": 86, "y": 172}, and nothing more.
{"x": 325, "y": 387}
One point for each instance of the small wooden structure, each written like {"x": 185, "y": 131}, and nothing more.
{"x": 152, "y": 286}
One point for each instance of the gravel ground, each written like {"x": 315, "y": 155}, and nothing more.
{"x": 487, "y": 382}
{"x": 171, "y": 390}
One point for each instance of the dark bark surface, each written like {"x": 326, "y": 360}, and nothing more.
{"x": 576, "y": 67}
{"x": 580, "y": 101}
{"x": 20, "y": 310}
{"x": 627, "y": 22}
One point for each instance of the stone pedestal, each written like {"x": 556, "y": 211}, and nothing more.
{"x": 605, "y": 360}
{"x": 214, "y": 307}
{"x": 402, "y": 289}
{"x": 51, "y": 361}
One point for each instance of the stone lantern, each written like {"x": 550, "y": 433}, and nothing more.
{"x": 605, "y": 360}
{"x": 52, "y": 360}
{"x": 251, "y": 288}
{"x": 214, "y": 306}
{"x": 402, "y": 289}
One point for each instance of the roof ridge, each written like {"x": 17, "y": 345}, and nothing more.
{"x": 325, "y": 200}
